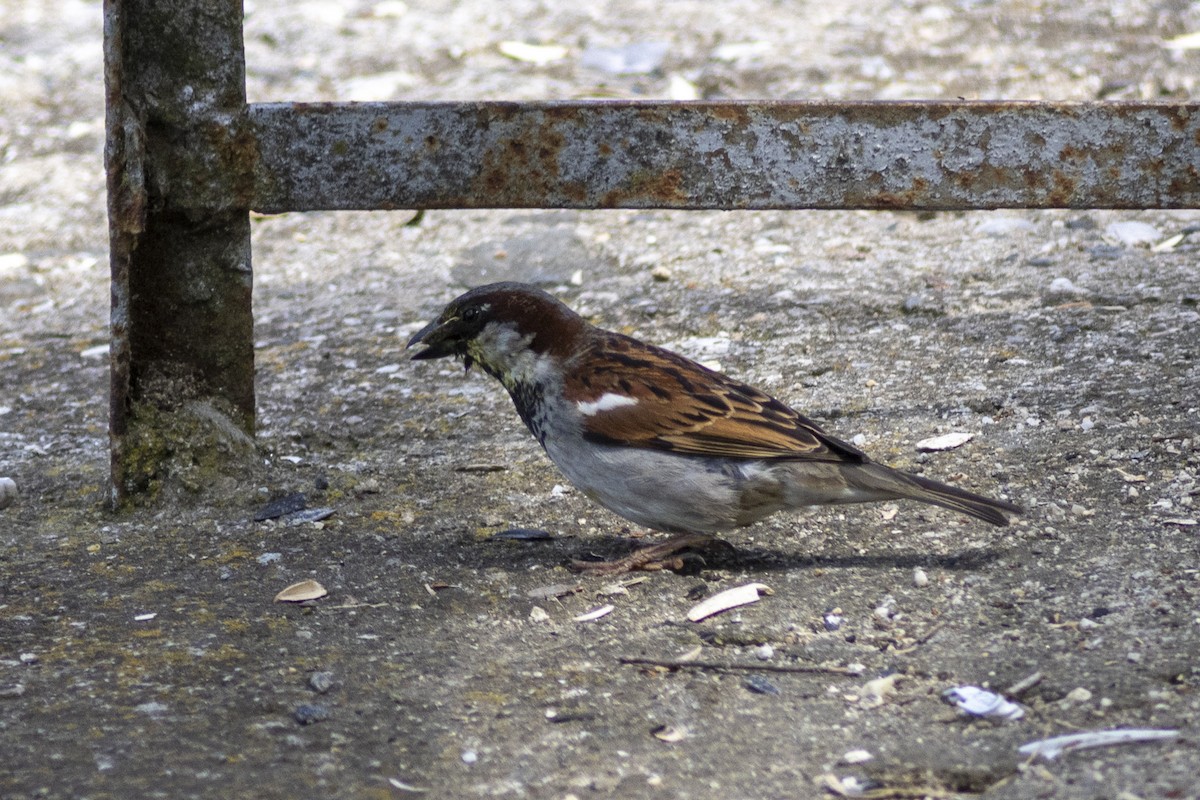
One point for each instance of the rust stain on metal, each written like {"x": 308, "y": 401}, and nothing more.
{"x": 664, "y": 189}
{"x": 1062, "y": 189}
{"x": 528, "y": 157}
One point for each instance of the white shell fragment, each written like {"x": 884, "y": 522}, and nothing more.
{"x": 876, "y": 692}
{"x": 1188, "y": 41}
{"x": 1055, "y": 746}
{"x": 596, "y": 613}
{"x": 407, "y": 787}
{"x": 947, "y": 441}
{"x": 533, "y": 53}
{"x": 1168, "y": 244}
{"x": 669, "y": 733}
{"x": 859, "y": 756}
{"x": 982, "y": 703}
{"x": 145, "y": 617}
{"x": 299, "y": 592}
{"x": 730, "y": 598}
{"x": 846, "y": 786}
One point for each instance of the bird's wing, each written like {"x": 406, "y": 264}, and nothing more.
{"x": 639, "y": 395}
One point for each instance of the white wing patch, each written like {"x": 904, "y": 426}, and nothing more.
{"x": 605, "y": 402}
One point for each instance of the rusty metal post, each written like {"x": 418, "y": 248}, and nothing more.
{"x": 177, "y": 164}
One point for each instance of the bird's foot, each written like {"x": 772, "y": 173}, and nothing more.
{"x": 674, "y": 554}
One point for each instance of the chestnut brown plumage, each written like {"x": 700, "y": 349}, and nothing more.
{"x": 656, "y": 437}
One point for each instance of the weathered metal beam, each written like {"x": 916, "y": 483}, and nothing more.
{"x": 182, "y": 330}
{"x": 737, "y": 155}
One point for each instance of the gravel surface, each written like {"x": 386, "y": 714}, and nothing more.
{"x": 142, "y": 653}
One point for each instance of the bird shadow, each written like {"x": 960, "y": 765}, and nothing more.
{"x": 720, "y": 554}
{"x": 777, "y": 560}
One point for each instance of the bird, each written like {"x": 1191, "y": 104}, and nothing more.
{"x": 657, "y": 438}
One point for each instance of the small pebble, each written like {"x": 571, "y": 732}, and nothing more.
{"x": 287, "y": 504}
{"x": 12, "y": 690}
{"x": 307, "y": 714}
{"x": 764, "y": 652}
{"x": 469, "y": 756}
{"x": 1003, "y": 225}
{"x": 660, "y": 274}
{"x": 307, "y": 515}
{"x": 269, "y": 558}
{"x": 523, "y": 534}
{"x": 1104, "y": 252}
{"x": 1077, "y": 695}
{"x": 28, "y": 658}
{"x": 538, "y": 614}
{"x": 1132, "y": 233}
{"x": 760, "y": 685}
{"x": 833, "y": 621}
{"x": 321, "y": 682}
{"x": 8, "y": 492}
{"x": 632, "y": 59}
{"x": 1064, "y": 286}
{"x": 920, "y": 578}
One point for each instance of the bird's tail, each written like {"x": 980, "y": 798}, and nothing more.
{"x": 916, "y": 487}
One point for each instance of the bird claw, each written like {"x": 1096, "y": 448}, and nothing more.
{"x": 677, "y": 554}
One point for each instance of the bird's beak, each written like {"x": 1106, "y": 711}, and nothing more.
{"x": 442, "y": 337}
{"x": 438, "y": 339}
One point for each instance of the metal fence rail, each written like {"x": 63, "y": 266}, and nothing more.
{"x": 729, "y": 155}
{"x": 187, "y": 159}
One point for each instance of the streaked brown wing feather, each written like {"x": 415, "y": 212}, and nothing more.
{"x": 686, "y": 408}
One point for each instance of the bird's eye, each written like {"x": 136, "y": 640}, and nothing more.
{"x": 470, "y": 314}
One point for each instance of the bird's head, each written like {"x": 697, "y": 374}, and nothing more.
{"x": 509, "y": 329}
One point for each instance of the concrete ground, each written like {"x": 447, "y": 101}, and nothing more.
{"x": 142, "y": 654}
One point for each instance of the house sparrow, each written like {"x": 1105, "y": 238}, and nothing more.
{"x": 657, "y": 438}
